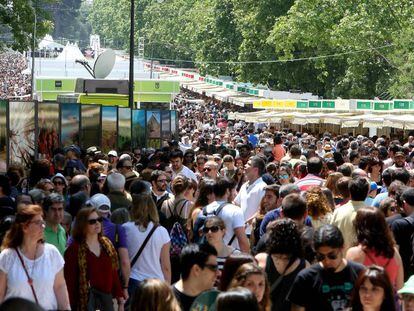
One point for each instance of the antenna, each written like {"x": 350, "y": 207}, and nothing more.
{"x": 104, "y": 64}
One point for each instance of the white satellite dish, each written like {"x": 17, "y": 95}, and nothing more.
{"x": 104, "y": 64}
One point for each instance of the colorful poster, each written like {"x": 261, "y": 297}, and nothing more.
{"x": 109, "y": 128}
{"x": 154, "y": 143}
{"x": 138, "y": 128}
{"x": 69, "y": 131}
{"x": 153, "y": 124}
{"x": 21, "y": 133}
{"x": 173, "y": 123}
{"x": 124, "y": 129}
{"x": 90, "y": 125}
{"x": 3, "y": 136}
{"x": 165, "y": 124}
{"x": 47, "y": 129}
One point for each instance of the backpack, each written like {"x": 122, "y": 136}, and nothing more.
{"x": 201, "y": 220}
{"x": 177, "y": 232}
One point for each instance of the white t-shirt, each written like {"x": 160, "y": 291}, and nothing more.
{"x": 249, "y": 198}
{"x": 186, "y": 172}
{"x": 43, "y": 271}
{"x": 148, "y": 264}
{"x": 232, "y": 216}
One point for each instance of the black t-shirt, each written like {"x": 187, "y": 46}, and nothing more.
{"x": 317, "y": 289}
{"x": 279, "y": 294}
{"x": 184, "y": 300}
{"x": 403, "y": 229}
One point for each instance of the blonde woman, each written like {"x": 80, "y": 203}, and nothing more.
{"x": 318, "y": 207}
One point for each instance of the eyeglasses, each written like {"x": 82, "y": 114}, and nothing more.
{"x": 211, "y": 267}
{"x": 95, "y": 220}
{"x": 213, "y": 229}
{"x": 38, "y": 222}
{"x": 207, "y": 169}
{"x": 330, "y": 256}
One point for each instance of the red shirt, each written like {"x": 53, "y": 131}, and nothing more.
{"x": 100, "y": 274}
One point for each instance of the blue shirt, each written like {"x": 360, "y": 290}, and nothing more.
{"x": 379, "y": 198}
{"x": 253, "y": 140}
{"x": 276, "y": 214}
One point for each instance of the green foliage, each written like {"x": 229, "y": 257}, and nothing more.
{"x": 353, "y": 48}
{"x": 17, "y": 23}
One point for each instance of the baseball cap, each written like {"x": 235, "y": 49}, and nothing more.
{"x": 408, "y": 287}
{"x": 373, "y": 186}
{"x": 100, "y": 202}
{"x": 399, "y": 154}
{"x": 113, "y": 153}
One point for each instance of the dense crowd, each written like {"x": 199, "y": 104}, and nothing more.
{"x": 12, "y": 82}
{"x": 231, "y": 215}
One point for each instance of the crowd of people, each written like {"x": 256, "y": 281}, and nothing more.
{"x": 12, "y": 82}
{"x": 230, "y": 215}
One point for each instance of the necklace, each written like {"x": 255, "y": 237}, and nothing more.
{"x": 33, "y": 266}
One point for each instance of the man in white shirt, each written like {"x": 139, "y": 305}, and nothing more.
{"x": 176, "y": 160}
{"x": 224, "y": 191}
{"x": 252, "y": 192}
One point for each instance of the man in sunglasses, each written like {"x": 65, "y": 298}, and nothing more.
{"x": 328, "y": 284}
{"x": 211, "y": 170}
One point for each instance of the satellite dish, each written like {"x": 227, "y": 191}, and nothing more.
{"x": 104, "y": 64}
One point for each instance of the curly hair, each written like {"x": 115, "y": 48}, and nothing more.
{"x": 317, "y": 203}
{"x": 373, "y": 232}
{"x": 284, "y": 238}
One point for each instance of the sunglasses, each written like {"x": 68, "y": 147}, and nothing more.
{"x": 95, "y": 220}
{"x": 207, "y": 169}
{"x": 330, "y": 256}
{"x": 213, "y": 268}
{"x": 213, "y": 229}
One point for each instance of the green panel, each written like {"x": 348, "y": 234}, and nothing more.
{"x": 328, "y": 104}
{"x": 156, "y": 86}
{"x": 241, "y": 89}
{"x": 403, "y": 104}
{"x": 49, "y": 89}
{"x": 315, "y": 104}
{"x": 302, "y": 104}
{"x": 158, "y": 98}
{"x": 104, "y": 99}
{"x": 382, "y": 105}
{"x": 364, "y": 105}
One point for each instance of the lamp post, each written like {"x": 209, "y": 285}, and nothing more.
{"x": 131, "y": 57}
{"x": 33, "y": 51}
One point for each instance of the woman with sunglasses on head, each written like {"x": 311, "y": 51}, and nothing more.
{"x": 214, "y": 230}
{"x": 91, "y": 264}
{"x": 373, "y": 291}
{"x": 30, "y": 268}
{"x": 376, "y": 245}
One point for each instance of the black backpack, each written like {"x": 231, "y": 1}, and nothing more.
{"x": 201, "y": 220}
{"x": 175, "y": 214}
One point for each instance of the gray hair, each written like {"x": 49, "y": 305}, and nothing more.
{"x": 116, "y": 182}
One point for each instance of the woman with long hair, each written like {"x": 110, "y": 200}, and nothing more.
{"x": 154, "y": 295}
{"x": 252, "y": 277}
{"x": 376, "y": 245}
{"x": 204, "y": 197}
{"x": 154, "y": 260}
{"x": 373, "y": 291}
{"x": 331, "y": 184}
{"x": 30, "y": 268}
{"x": 231, "y": 265}
{"x": 319, "y": 209}
{"x": 91, "y": 266}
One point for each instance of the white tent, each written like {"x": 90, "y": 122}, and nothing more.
{"x": 48, "y": 43}
{"x": 70, "y": 52}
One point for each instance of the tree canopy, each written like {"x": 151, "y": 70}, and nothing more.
{"x": 355, "y": 48}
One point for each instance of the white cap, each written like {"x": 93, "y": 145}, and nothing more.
{"x": 125, "y": 156}
{"x": 113, "y": 153}
{"x": 100, "y": 202}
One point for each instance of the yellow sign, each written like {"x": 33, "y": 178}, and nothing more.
{"x": 274, "y": 104}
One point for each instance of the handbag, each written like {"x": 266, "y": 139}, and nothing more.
{"x": 98, "y": 300}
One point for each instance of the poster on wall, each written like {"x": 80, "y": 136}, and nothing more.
{"x": 47, "y": 129}
{"x": 154, "y": 143}
{"x": 21, "y": 133}
{"x": 109, "y": 128}
{"x": 153, "y": 124}
{"x": 90, "y": 125}
{"x": 3, "y": 136}
{"x": 173, "y": 123}
{"x": 138, "y": 128}
{"x": 124, "y": 129}
{"x": 69, "y": 132}
{"x": 165, "y": 124}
